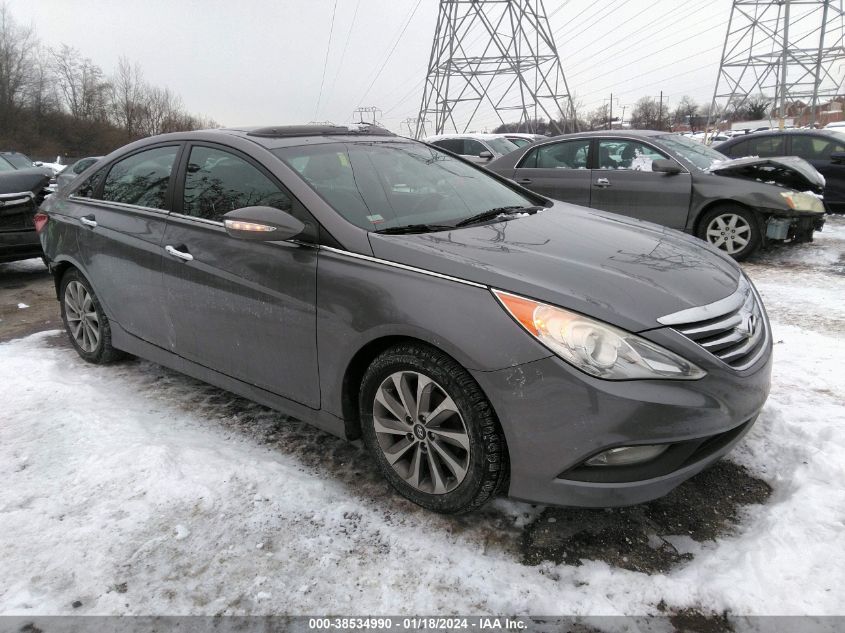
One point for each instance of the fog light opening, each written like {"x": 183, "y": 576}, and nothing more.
{"x": 627, "y": 455}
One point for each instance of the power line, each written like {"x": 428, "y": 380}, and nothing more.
{"x": 390, "y": 54}
{"x": 326, "y": 62}
{"x": 345, "y": 46}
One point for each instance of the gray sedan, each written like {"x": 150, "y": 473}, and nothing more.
{"x": 666, "y": 178}
{"x": 478, "y": 337}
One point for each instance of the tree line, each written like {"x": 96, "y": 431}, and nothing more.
{"x": 56, "y": 101}
{"x": 647, "y": 113}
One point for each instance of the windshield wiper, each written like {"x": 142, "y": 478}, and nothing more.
{"x": 491, "y": 214}
{"x": 414, "y": 228}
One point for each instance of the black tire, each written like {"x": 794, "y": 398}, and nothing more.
{"x": 486, "y": 460}
{"x": 723, "y": 240}
{"x": 102, "y": 351}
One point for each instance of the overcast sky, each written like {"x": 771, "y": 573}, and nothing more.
{"x": 259, "y": 62}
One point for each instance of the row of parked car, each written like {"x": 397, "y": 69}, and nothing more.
{"x": 24, "y": 184}
{"x": 736, "y": 205}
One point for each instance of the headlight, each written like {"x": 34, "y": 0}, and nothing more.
{"x": 803, "y": 201}
{"x": 594, "y": 347}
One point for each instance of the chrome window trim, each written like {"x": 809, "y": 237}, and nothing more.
{"x": 710, "y": 311}
{"x": 413, "y": 269}
{"x": 200, "y": 220}
{"x": 97, "y": 202}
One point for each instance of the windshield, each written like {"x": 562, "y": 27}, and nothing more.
{"x": 379, "y": 185}
{"x": 18, "y": 160}
{"x": 502, "y": 145}
{"x": 696, "y": 153}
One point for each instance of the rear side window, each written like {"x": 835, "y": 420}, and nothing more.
{"x": 765, "y": 146}
{"x": 735, "y": 151}
{"x": 141, "y": 179}
{"x": 473, "y": 147}
{"x": 565, "y": 155}
{"x": 217, "y": 182}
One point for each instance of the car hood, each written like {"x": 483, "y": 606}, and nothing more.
{"x": 22, "y": 180}
{"x": 617, "y": 269}
{"x": 789, "y": 172}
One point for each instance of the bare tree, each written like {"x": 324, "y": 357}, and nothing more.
{"x": 81, "y": 84}
{"x": 16, "y": 44}
{"x": 686, "y": 112}
{"x": 127, "y": 96}
{"x": 757, "y": 107}
{"x": 599, "y": 118}
{"x": 648, "y": 114}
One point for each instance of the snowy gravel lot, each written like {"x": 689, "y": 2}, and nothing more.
{"x": 131, "y": 489}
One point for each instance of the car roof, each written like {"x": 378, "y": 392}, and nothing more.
{"x": 277, "y": 136}
{"x": 481, "y": 137}
{"x": 828, "y": 133}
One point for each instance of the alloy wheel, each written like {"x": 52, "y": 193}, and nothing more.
{"x": 421, "y": 432}
{"x": 81, "y": 315}
{"x": 729, "y": 232}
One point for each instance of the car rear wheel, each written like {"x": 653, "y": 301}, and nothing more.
{"x": 84, "y": 319}
{"x": 731, "y": 229}
{"x": 431, "y": 430}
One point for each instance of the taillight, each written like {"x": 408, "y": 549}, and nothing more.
{"x": 40, "y": 221}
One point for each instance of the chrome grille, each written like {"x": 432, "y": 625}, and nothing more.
{"x": 733, "y": 329}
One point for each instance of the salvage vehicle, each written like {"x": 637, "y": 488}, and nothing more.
{"x": 477, "y": 148}
{"x": 823, "y": 149}
{"x": 22, "y": 188}
{"x": 677, "y": 182}
{"x": 478, "y": 337}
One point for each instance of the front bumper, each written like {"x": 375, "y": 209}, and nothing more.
{"x": 555, "y": 418}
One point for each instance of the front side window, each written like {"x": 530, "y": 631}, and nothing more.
{"x": 564, "y": 155}
{"x": 627, "y": 154}
{"x": 217, "y": 182}
{"x": 84, "y": 164}
{"x": 473, "y": 147}
{"x": 520, "y": 142}
{"x": 502, "y": 145}
{"x": 693, "y": 152}
{"x": 141, "y": 179}
{"x": 379, "y": 185}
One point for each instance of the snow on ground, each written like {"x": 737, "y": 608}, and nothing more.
{"x": 132, "y": 489}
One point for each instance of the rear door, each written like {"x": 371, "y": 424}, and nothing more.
{"x": 246, "y": 309}
{"x": 122, "y": 211}
{"x": 818, "y": 151}
{"x": 558, "y": 170}
{"x": 624, "y": 183}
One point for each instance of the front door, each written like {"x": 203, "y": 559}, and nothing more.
{"x": 246, "y": 309}
{"x": 558, "y": 170}
{"x": 625, "y": 184}
{"x": 817, "y": 150}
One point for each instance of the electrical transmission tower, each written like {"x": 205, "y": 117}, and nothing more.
{"x": 491, "y": 59}
{"x": 784, "y": 50}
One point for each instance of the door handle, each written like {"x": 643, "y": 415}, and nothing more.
{"x": 177, "y": 253}
{"x": 602, "y": 182}
{"x": 524, "y": 181}
{"x": 89, "y": 220}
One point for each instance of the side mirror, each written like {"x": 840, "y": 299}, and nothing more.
{"x": 264, "y": 224}
{"x": 486, "y": 155}
{"x": 837, "y": 157}
{"x": 38, "y": 163}
{"x": 665, "y": 166}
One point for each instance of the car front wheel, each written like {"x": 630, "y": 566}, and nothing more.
{"x": 431, "y": 430}
{"x": 731, "y": 229}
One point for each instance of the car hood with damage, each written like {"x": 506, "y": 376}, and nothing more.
{"x": 789, "y": 172}
{"x": 617, "y": 269}
{"x": 23, "y": 180}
